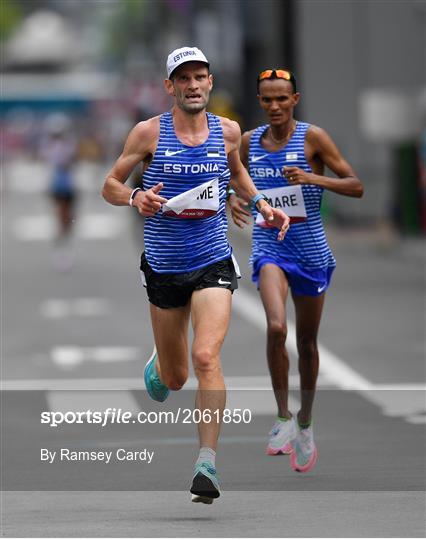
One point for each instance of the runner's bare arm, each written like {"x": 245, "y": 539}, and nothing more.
{"x": 321, "y": 150}
{"x": 244, "y": 148}
{"x": 239, "y": 210}
{"x": 240, "y": 179}
{"x": 243, "y": 184}
{"x": 141, "y": 143}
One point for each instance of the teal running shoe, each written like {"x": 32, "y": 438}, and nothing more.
{"x": 155, "y": 388}
{"x": 205, "y": 486}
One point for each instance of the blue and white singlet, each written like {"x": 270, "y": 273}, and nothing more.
{"x": 305, "y": 243}
{"x": 175, "y": 244}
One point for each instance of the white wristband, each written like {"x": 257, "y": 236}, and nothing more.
{"x": 133, "y": 195}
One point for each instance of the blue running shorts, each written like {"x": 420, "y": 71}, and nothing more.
{"x": 302, "y": 282}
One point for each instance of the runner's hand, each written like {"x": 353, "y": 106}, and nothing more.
{"x": 148, "y": 202}
{"x": 239, "y": 211}
{"x": 274, "y": 217}
{"x": 296, "y": 176}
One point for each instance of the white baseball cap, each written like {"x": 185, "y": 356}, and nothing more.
{"x": 183, "y": 55}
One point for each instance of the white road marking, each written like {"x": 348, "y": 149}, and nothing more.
{"x": 87, "y": 227}
{"x": 100, "y": 226}
{"x": 69, "y": 356}
{"x": 402, "y": 386}
{"x": 29, "y": 228}
{"x": 406, "y": 400}
{"x": 131, "y": 383}
{"x": 58, "y": 308}
{"x": 26, "y": 176}
{"x": 416, "y": 419}
{"x": 396, "y": 403}
{"x": 403, "y": 400}
{"x": 333, "y": 368}
{"x": 135, "y": 383}
{"x": 96, "y": 401}
{"x": 34, "y": 176}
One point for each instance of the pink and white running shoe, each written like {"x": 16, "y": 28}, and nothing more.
{"x": 281, "y": 436}
{"x": 305, "y": 452}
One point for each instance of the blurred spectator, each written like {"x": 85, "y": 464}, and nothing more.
{"x": 59, "y": 150}
{"x": 222, "y": 104}
{"x": 90, "y": 149}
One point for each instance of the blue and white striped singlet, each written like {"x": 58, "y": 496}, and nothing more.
{"x": 305, "y": 243}
{"x": 173, "y": 244}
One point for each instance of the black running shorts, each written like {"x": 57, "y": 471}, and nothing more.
{"x": 175, "y": 290}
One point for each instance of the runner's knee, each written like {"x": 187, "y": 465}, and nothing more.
{"x": 277, "y": 330}
{"x": 204, "y": 361}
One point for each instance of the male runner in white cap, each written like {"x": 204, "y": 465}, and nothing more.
{"x": 189, "y": 156}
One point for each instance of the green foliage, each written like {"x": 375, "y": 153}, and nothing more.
{"x": 10, "y": 16}
{"x": 126, "y": 27}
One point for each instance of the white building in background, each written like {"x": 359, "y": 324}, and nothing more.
{"x": 44, "y": 39}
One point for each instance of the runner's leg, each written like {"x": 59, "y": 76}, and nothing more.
{"x": 170, "y": 327}
{"x": 64, "y": 210}
{"x": 308, "y": 317}
{"x": 63, "y": 256}
{"x": 273, "y": 287}
{"x": 210, "y": 311}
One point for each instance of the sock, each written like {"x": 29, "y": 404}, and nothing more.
{"x": 304, "y": 425}
{"x": 284, "y": 418}
{"x": 206, "y": 454}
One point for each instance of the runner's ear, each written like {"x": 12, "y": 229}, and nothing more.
{"x": 168, "y": 85}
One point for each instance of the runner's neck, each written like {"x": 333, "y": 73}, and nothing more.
{"x": 190, "y": 129}
{"x": 283, "y": 136}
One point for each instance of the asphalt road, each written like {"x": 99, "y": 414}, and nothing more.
{"x": 79, "y": 339}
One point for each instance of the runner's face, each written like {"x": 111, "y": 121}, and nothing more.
{"x": 277, "y": 99}
{"x": 191, "y": 87}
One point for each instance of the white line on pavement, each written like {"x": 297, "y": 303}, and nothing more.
{"x": 58, "y": 308}
{"x": 410, "y": 405}
{"x": 128, "y": 383}
{"x": 395, "y": 400}
{"x": 336, "y": 371}
{"x": 32, "y": 176}
{"x": 68, "y": 356}
{"x": 97, "y": 401}
{"x": 88, "y": 227}
{"x": 406, "y": 400}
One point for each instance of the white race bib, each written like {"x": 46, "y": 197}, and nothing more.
{"x": 199, "y": 202}
{"x": 289, "y": 199}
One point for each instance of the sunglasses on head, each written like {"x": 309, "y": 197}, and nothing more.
{"x": 277, "y": 74}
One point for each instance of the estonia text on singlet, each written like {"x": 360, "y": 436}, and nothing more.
{"x": 173, "y": 244}
{"x": 305, "y": 243}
